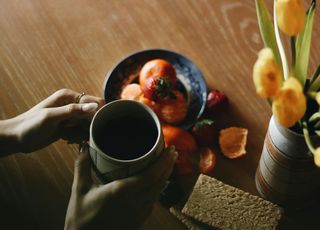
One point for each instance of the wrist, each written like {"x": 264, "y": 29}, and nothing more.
{"x": 9, "y": 141}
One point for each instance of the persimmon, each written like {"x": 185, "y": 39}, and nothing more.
{"x": 157, "y": 68}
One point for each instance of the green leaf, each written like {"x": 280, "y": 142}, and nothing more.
{"x": 267, "y": 29}
{"x": 303, "y": 45}
{"x": 315, "y": 117}
{"x": 317, "y": 125}
{"x": 204, "y": 122}
{"x": 315, "y": 80}
{"x": 317, "y": 132}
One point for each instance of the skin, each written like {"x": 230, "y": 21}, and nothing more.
{"x": 58, "y": 116}
{"x": 121, "y": 204}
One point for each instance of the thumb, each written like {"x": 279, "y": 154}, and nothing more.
{"x": 82, "y": 180}
{"x": 73, "y": 110}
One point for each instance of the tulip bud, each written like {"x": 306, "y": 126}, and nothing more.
{"x": 267, "y": 76}
{"x": 290, "y": 16}
{"x": 316, "y": 157}
{"x": 289, "y": 104}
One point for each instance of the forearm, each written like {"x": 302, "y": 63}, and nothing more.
{"x": 8, "y": 137}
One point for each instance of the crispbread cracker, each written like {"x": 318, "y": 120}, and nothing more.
{"x": 226, "y": 207}
{"x": 190, "y": 223}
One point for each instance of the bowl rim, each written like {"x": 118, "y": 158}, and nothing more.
{"x": 134, "y": 53}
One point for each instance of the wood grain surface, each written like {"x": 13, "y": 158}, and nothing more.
{"x": 46, "y": 45}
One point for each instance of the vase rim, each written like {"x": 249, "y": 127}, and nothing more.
{"x": 286, "y": 129}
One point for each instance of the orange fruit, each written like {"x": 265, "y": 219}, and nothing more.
{"x": 173, "y": 111}
{"x": 152, "y": 105}
{"x": 183, "y": 141}
{"x": 157, "y": 68}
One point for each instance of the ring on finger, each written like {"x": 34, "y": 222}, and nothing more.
{"x": 79, "y": 97}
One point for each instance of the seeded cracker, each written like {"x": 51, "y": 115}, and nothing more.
{"x": 190, "y": 223}
{"x": 225, "y": 207}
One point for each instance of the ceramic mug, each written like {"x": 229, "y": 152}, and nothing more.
{"x": 109, "y": 162}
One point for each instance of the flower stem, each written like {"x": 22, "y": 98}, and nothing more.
{"x": 307, "y": 136}
{"x": 280, "y": 46}
{"x": 312, "y": 95}
{"x": 293, "y": 51}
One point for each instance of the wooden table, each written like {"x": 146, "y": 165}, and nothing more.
{"x": 51, "y": 44}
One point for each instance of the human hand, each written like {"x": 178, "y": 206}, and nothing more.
{"x": 65, "y": 114}
{"x": 121, "y": 204}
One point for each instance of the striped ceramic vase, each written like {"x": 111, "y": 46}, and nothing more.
{"x": 286, "y": 174}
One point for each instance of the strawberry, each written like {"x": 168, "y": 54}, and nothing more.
{"x": 156, "y": 88}
{"x": 216, "y": 102}
{"x": 173, "y": 111}
{"x": 204, "y": 132}
{"x": 207, "y": 160}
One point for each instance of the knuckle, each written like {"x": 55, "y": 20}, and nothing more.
{"x": 118, "y": 187}
{"x": 62, "y": 95}
{"x": 101, "y": 101}
{"x": 71, "y": 108}
{"x": 64, "y": 91}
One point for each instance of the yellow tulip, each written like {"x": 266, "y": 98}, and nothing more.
{"x": 294, "y": 84}
{"x": 317, "y": 157}
{"x": 289, "y": 104}
{"x": 290, "y": 16}
{"x": 267, "y": 76}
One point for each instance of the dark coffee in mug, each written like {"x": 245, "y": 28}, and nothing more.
{"x": 126, "y": 137}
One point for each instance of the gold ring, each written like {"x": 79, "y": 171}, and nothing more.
{"x": 79, "y": 97}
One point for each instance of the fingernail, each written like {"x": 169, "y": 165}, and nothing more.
{"x": 89, "y": 107}
{"x": 172, "y": 148}
{"x": 83, "y": 147}
{"x": 174, "y": 155}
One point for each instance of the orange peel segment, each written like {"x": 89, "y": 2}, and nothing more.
{"x": 131, "y": 92}
{"x": 233, "y": 141}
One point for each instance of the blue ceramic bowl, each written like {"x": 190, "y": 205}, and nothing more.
{"x": 190, "y": 80}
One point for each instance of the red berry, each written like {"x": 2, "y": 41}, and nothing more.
{"x": 158, "y": 87}
{"x": 204, "y": 132}
{"x": 216, "y": 102}
{"x": 183, "y": 168}
{"x": 149, "y": 89}
{"x": 207, "y": 160}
